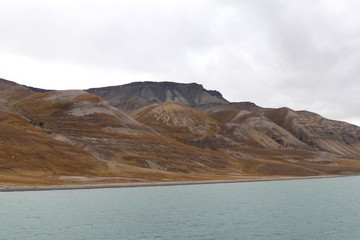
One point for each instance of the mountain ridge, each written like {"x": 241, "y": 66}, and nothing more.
{"x": 132, "y": 96}
{"x": 169, "y": 131}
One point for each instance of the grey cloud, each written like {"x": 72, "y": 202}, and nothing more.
{"x": 138, "y": 37}
{"x": 302, "y": 53}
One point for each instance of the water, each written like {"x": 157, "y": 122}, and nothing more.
{"x": 325, "y": 209}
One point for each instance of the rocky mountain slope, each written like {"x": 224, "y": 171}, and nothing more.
{"x": 130, "y": 97}
{"x": 179, "y": 121}
{"x": 170, "y": 132}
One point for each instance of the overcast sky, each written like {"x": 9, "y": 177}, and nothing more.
{"x": 303, "y": 54}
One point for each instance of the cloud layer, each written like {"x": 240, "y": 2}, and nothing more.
{"x": 303, "y": 54}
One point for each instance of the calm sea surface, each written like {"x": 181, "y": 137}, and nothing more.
{"x": 325, "y": 209}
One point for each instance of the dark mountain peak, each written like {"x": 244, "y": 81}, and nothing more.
{"x": 173, "y": 85}
{"x": 215, "y": 93}
{"x": 132, "y": 96}
{"x": 169, "y": 85}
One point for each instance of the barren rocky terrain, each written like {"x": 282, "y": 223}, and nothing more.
{"x": 146, "y": 132}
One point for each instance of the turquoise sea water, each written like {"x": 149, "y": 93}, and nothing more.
{"x": 325, "y": 209}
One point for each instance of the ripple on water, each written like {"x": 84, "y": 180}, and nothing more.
{"x": 305, "y": 209}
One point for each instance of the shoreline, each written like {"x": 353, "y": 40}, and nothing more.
{"x": 22, "y": 188}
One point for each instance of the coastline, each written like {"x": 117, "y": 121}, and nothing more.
{"x": 21, "y": 188}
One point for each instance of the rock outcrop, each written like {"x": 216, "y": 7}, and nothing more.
{"x": 130, "y": 97}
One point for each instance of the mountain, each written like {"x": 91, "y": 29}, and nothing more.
{"x": 321, "y": 133}
{"x": 256, "y": 130}
{"x": 170, "y": 132}
{"x": 130, "y": 97}
{"x": 110, "y": 136}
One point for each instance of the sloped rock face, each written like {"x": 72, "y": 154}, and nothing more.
{"x": 174, "y": 114}
{"x": 179, "y": 121}
{"x": 321, "y": 133}
{"x": 8, "y": 87}
{"x": 256, "y": 129}
{"x": 130, "y": 97}
{"x": 285, "y": 128}
{"x": 10, "y": 91}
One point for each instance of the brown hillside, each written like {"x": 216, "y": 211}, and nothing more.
{"x": 228, "y": 116}
{"x": 55, "y": 137}
{"x": 318, "y": 132}
{"x": 180, "y": 121}
{"x": 128, "y": 148}
{"x": 28, "y": 150}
